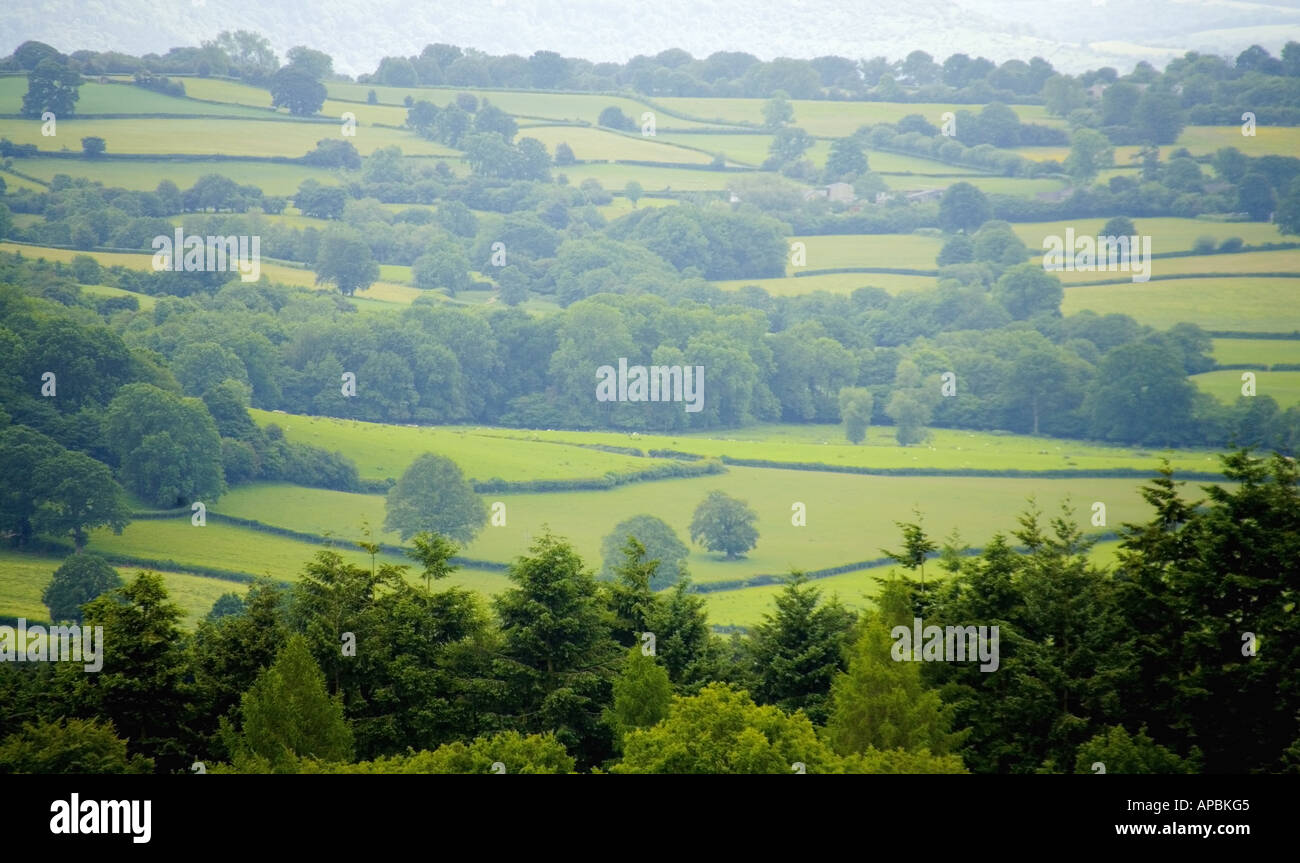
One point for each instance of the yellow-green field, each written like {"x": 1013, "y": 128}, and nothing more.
{"x": 910, "y": 251}
{"x": 210, "y": 136}
{"x": 1167, "y": 235}
{"x": 595, "y": 143}
{"x": 1226, "y": 385}
{"x": 826, "y": 118}
{"x": 121, "y": 98}
{"x": 849, "y": 517}
{"x": 1242, "y": 305}
{"x": 835, "y": 283}
{"x": 24, "y": 576}
{"x": 385, "y": 450}
{"x": 1268, "y": 351}
{"x": 1277, "y": 261}
{"x": 145, "y": 174}
{"x": 652, "y": 179}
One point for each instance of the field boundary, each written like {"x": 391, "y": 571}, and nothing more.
{"x": 1013, "y": 473}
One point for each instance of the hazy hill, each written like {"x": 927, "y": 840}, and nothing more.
{"x": 1072, "y": 34}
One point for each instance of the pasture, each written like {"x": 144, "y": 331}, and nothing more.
{"x": 849, "y": 517}
{"x": 1267, "y": 351}
{"x": 1167, "y": 235}
{"x": 1237, "y": 304}
{"x": 210, "y": 136}
{"x": 1225, "y": 385}
{"x": 23, "y": 577}
{"x": 386, "y": 450}
{"x": 123, "y": 98}
{"x": 145, "y": 174}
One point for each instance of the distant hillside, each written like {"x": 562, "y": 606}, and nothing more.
{"x": 1072, "y": 34}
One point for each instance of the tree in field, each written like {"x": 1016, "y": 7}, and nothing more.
{"x": 78, "y": 580}
{"x": 788, "y": 145}
{"x": 1159, "y": 116}
{"x": 1255, "y": 196}
{"x": 909, "y": 406}
{"x": 1142, "y": 395}
{"x": 445, "y": 268}
{"x": 77, "y": 495}
{"x": 287, "y": 715}
{"x": 662, "y": 547}
{"x": 880, "y": 703}
{"x": 846, "y": 159}
{"x": 633, "y": 191}
{"x": 1090, "y": 151}
{"x": 69, "y": 746}
{"x": 564, "y": 154}
{"x": 559, "y": 658}
{"x": 1027, "y": 289}
{"x": 433, "y": 495}
{"x": 169, "y": 447}
{"x": 93, "y": 146}
{"x": 722, "y": 523}
{"x": 722, "y": 730}
{"x": 614, "y": 118}
{"x": 53, "y": 87}
{"x": 777, "y": 111}
{"x": 318, "y": 64}
{"x": 798, "y": 649}
{"x": 855, "y": 412}
{"x": 294, "y": 87}
{"x": 344, "y": 258}
{"x": 963, "y": 207}
{"x": 1287, "y": 216}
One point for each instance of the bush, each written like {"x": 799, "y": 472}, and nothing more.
{"x": 1232, "y": 244}
{"x": 1203, "y": 245}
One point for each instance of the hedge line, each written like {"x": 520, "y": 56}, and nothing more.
{"x": 298, "y": 536}
{"x": 610, "y": 480}
{"x": 1294, "y": 335}
{"x": 1088, "y": 473}
{"x": 1175, "y": 276}
{"x": 901, "y": 271}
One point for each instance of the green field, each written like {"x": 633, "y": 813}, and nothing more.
{"x": 652, "y": 179}
{"x": 209, "y": 136}
{"x": 590, "y": 143}
{"x": 827, "y": 118}
{"x": 146, "y": 302}
{"x": 948, "y": 449}
{"x": 23, "y": 577}
{"x": 385, "y": 450}
{"x": 1225, "y": 385}
{"x": 253, "y": 552}
{"x": 1266, "y": 351}
{"x": 145, "y": 174}
{"x": 1277, "y": 261}
{"x": 835, "y": 283}
{"x": 120, "y": 98}
{"x": 1167, "y": 235}
{"x": 907, "y": 251}
{"x": 849, "y": 517}
{"x": 1254, "y": 305}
